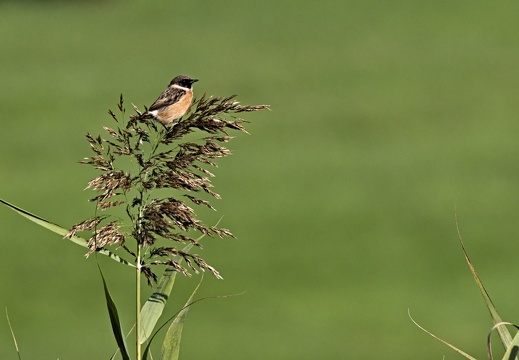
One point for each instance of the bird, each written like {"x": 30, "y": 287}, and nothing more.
{"x": 174, "y": 102}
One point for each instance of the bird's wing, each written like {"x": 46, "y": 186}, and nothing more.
{"x": 168, "y": 97}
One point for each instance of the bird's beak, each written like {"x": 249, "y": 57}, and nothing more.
{"x": 194, "y": 80}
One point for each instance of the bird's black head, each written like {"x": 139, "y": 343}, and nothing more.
{"x": 183, "y": 80}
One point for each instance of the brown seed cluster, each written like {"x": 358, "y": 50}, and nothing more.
{"x": 138, "y": 159}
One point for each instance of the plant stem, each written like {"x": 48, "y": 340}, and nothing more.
{"x": 138, "y": 305}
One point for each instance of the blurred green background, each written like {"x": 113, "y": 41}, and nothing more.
{"x": 386, "y": 116}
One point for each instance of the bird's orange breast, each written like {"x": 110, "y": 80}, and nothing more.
{"x": 175, "y": 111}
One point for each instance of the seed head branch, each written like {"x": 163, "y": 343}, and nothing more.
{"x": 139, "y": 156}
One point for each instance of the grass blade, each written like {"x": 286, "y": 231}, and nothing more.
{"x": 153, "y": 308}
{"x": 503, "y": 332}
{"x": 171, "y": 344}
{"x": 511, "y": 351}
{"x": 114, "y": 320}
{"x": 147, "y": 349}
{"x": 12, "y": 333}
{"x": 61, "y": 231}
{"x": 461, "y": 352}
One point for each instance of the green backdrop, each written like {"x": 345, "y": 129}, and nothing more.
{"x": 386, "y": 117}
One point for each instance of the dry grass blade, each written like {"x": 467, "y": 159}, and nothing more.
{"x": 461, "y": 352}
{"x": 12, "y": 333}
{"x": 504, "y": 334}
{"x": 511, "y": 351}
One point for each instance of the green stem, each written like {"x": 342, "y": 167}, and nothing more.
{"x": 138, "y": 349}
{"x": 138, "y": 305}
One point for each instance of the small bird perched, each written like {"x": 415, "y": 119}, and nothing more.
{"x": 174, "y": 102}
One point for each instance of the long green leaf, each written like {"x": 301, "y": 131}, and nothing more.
{"x": 147, "y": 349}
{"x": 188, "y": 304}
{"x": 154, "y": 306}
{"x": 62, "y": 231}
{"x": 114, "y": 320}
{"x": 513, "y": 350}
{"x": 171, "y": 344}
